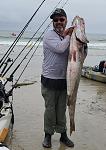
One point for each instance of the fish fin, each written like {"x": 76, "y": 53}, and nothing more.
{"x": 74, "y": 56}
{"x": 72, "y": 126}
{"x": 82, "y": 38}
{"x": 68, "y": 100}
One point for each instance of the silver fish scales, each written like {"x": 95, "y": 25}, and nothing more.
{"x": 77, "y": 55}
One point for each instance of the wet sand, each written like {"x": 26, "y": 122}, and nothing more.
{"x": 90, "y": 118}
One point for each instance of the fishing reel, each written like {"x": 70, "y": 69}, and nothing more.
{"x": 5, "y": 64}
{"x": 3, "y": 97}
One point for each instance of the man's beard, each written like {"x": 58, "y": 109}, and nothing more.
{"x": 59, "y": 30}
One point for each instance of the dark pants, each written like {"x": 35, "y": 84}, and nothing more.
{"x": 55, "y": 109}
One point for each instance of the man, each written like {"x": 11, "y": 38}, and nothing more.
{"x": 54, "y": 89}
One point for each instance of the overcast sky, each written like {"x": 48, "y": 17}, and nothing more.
{"x": 14, "y": 14}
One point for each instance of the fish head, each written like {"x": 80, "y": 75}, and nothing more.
{"x": 79, "y": 29}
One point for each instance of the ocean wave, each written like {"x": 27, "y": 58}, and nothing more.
{"x": 23, "y": 41}
{"x": 14, "y": 37}
{"x": 18, "y": 43}
{"x": 102, "y": 40}
{"x": 101, "y": 46}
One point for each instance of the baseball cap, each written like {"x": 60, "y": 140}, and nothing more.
{"x": 58, "y": 11}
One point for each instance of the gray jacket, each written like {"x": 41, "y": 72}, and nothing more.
{"x": 55, "y": 50}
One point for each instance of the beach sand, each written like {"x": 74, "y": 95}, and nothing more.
{"x": 28, "y": 105}
{"x": 90, "y": 118}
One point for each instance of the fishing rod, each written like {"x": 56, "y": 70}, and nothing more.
{"x": 9, "y": 92}
{"x": 3, "y": 74}
{"x": 14, "y": 86}
{"x": 65, "y": 3}
{"x": 11, "y": 76}
{"x": 18, "y": 37}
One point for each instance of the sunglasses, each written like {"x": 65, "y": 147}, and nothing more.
{"x": 58, "y": 19}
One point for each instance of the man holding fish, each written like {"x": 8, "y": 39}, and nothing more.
{"x": 56, "y": 51}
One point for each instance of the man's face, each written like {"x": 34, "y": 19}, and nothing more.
{"x": 59, "y": 23}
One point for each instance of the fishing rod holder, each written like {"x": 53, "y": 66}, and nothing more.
{"x": 3, "y": 95}
{"x": 10, "y": 78}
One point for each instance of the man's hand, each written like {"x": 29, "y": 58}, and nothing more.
{"x": 69, "y": 31}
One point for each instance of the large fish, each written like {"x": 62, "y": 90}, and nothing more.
{"x": 77, "y": 55}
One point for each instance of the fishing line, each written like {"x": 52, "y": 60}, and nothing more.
{"x": 29, "y": 59}
{"x": 65, "y": 3}
{"x": 18, "y": 37}
{"x": 11, "y": 76}
{"x": 10, "y": 91}
{"x": 3, "y": 74}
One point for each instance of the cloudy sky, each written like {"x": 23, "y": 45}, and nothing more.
{"x": 14, "y": 14}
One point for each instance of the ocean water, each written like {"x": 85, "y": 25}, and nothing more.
{"x": 96, "y": 45}
{"x": 6, "y": 40}
{"x": 8, "y": 37}
{"x": 96, "y": 49}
